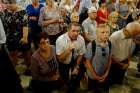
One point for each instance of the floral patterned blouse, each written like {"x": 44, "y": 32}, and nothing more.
{"x": 13, "y": 23}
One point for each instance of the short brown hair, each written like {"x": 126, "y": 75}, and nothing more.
{"x": 42, "y": 35}
{"x": 73, "y": 24}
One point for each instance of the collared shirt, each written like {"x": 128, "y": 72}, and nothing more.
{"x": 63, "y": 42}
{"x": 90, "y": 28}
{"x": 121, "y": 48}
{"x": 2, "y": 33}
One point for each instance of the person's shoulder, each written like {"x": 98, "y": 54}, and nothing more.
{"x": 86, "y": 21}
{"x": 117, "y": 35}
{"x": 80, "y": 38}
{"x": 52, "y": 46}
{"x": 29, "y": 6}
{"x": 61, "y": 38}
{"x": 35, "y": 54}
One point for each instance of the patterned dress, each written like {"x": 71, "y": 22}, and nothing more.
{"x": 13, "y": 24}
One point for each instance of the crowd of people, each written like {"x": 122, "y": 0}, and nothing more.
{"x": 72, "y": 40}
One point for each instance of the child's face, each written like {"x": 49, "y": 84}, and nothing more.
{"x": 103, "y": 34}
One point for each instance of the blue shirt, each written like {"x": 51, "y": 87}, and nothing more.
{"x": 100, "y": 59}
{"x": 33, "y": 12}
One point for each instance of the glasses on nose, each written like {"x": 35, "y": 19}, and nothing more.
{"x": 45, "y": 42}
{"x": 103, "y": 52}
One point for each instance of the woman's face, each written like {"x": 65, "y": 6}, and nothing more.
{"x": 44, "y": 43}
{"x": 49, "y": 2}
{"x": 114, "y": 18}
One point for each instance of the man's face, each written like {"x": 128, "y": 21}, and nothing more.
{"x": 74, "y": 32}
{"x": 93, "y": 15}
{"x": 103, "y": 34}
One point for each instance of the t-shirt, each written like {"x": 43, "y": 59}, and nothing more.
{"x": 100, "y": 59}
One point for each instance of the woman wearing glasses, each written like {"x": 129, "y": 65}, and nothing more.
{"x": 44, "y": 67}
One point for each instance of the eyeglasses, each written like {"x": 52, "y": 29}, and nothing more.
{"x": 103, "y": 52}
{"x": 44, "y": 42}
{"x": 47, "y": 41}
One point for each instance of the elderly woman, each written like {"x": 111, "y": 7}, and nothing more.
{"x": 50, "y": 20}
{"x": 113, "y": 17}
{"x": 44, "y": 67}
{"x": 15, "y": 21}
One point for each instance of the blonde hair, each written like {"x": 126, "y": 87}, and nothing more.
{"x": 101, "y": 27}
{"x": 113, "y": 14}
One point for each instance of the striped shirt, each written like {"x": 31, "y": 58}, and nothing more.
{"x": 44, "y": 70}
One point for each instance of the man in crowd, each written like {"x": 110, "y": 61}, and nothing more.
{"x": 69, "y": 49}
{"x": 122, "y": 47}
{"x": 89, "y": 25}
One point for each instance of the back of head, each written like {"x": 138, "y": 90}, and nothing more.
{"x": 133, "y": 28}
